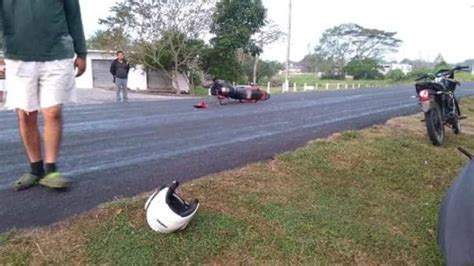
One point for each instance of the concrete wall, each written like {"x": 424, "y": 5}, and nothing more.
{"x": 137, "y": 79}
{"x": 159, "y": 81}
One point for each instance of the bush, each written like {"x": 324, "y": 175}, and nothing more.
{"x": 276, "y": 82}
{"x": 197, "y": 78}
{"x": 200, "y": 91}
{"x": 334, "y": 76}
{"x": 363, "y": 69}
{"x": 395, "y": 75}
{"x": 419, "y": 72}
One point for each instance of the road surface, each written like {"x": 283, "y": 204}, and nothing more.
{"x": 120, "y": 150}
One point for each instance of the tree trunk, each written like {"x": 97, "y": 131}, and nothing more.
{"x": 191, "y": 83}
{"x": 175, "y": 78}
{"x": 255, "y": 66}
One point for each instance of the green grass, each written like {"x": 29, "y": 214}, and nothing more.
{"x": 312, "y": 79}
{"x": 359, "y": 197}
{"x": 200, "y": 91}
{"x": 463, "y": 76}
{"x": 118, "y": 242}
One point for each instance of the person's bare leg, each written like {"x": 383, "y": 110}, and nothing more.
{"x": 53, "y": 132}
{"x": 53, "y": 129}
{"x": 30, "y": 135}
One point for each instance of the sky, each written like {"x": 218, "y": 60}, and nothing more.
{"x": 427, "y": 27}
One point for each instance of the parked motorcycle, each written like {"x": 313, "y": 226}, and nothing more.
{"x": 438, "y": 102}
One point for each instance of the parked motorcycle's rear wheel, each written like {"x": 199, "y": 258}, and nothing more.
{"x": 435, "y": 125}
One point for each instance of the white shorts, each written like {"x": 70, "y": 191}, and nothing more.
{"x": 32, "y": 86}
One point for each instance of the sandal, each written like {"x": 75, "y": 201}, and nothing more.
{"x": 55, "y": 180}
{"x": 26, "y": 181}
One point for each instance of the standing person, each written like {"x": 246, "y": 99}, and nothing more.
{"x": 119, "y": 69}
{"x": 41, "y": 39}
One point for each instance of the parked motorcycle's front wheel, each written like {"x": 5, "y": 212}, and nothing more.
{"x": 457, "y": 126}
{"x": 435, "y": 125}
{"x": 457, "y": 121}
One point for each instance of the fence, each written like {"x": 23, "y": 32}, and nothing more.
{"x": 316, "y": 87}
{"x": 322, "y": 87}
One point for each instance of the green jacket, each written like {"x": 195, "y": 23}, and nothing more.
{"x": 42, "y": 30}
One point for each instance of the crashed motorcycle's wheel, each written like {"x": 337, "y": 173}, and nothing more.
{"x": 435, "y": 125}
{"x": 223, "y": 100}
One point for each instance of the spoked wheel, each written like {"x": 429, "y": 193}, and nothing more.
{"x": 457, "y": 126}
{"x": 457, "y": 121}
{"x": 435, "y": 125}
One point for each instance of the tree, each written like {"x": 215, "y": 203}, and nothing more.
{"x": 351, "y": 41}
{"x": 316, "y": 63}
{"x": 439, "y": 60}
{"x": 265, "y": 69}
{"x": 221, "y": 63}
{"x": 1, "y": 35}
{"x": 234, "y": 23}
{"x": 268, "y": 69}
{"x": 163, "y": 32}
{"x": 265, "y": 36}
{"x": 364, "y": 69}
{"x": 406, "y": 61}
{"x": 395, "y": 75}
{"x": 441, "y": 65}
{"x": 172, "y": 52}
{"x": 109, "y": 40}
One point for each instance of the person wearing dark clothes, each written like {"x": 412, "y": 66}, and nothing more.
{"x": 120, "y": 69}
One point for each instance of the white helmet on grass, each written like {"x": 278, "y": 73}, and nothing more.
{"x": 167, "y": 212}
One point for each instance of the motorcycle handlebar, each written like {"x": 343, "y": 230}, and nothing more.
{"x": 425, "y": 76}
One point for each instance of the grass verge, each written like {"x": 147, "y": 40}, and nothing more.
{"x": 359, "y": 197}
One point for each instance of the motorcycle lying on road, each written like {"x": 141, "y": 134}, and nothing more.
{"x": 438, "y": 102}
{"x": 224, "y": 92}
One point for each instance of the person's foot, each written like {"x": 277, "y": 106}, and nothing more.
{"x": 55, "y": 181}
{"x": 26, "y": 181}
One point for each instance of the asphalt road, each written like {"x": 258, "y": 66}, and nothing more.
{"x": 121, "y": 150}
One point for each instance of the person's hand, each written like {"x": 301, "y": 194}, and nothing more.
{"x": 80, "y": 66}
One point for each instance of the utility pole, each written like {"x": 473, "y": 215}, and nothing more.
{"x": 289, "y": 46}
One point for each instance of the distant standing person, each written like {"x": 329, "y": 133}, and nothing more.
{"x": 119, "y": 69}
